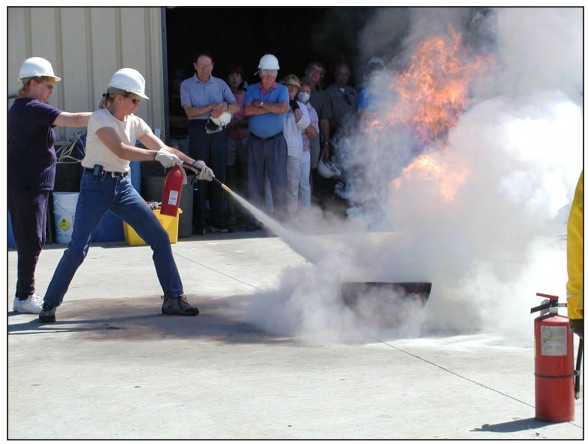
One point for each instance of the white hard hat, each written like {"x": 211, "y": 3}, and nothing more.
{"x": 129, "y": 79}
{"x": 327, "y": 169}
{"x": 375, "y": 63}
{"x": 223, "y": 119}
{"x": 36, "y": 67}
{"x": 268, "y": 61}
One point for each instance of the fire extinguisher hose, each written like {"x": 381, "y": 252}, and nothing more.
{"x": 579, "y": 367}
{"x": 223, "y": 186}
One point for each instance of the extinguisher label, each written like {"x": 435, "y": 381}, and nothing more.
{"x": 173, "y": 197}
{"x": 554, "y": 341}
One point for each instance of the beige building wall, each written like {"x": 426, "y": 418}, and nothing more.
{"x": 86, "y": 46}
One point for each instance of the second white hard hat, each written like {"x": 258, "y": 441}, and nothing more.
{"x": 223, "y": 120}
{"x": 269, "y": 61}
{"x": 129, "y": 79}
{"x": 327, "y": 169}
{"x": 36, "y": 67}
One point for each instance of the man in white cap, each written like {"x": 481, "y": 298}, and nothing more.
{"x": 265, "y": 104}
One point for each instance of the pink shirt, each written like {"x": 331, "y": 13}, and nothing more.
{"x": 238, "y": 131}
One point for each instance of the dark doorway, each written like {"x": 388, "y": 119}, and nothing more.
{"x": 296, "y": 35}
{"x": 241, "y": 35}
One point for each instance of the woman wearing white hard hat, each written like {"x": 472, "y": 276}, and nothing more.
{"x": 31, "y": 170}
{"x": 110, "y": 146}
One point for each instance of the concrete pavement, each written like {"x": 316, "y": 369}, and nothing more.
{"x": 112, "y": 367}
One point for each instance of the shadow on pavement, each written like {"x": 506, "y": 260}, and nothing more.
{"x": 220, "y": 319}
{"x": 513, "y": 426}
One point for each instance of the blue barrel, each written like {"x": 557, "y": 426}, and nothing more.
{"x": 136, "y": 175}
{"x": 11, "y": 243}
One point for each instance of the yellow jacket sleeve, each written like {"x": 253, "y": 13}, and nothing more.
{"x": 575, "y": 250}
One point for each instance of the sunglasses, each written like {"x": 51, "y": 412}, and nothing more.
{"x": 135, "y": 101}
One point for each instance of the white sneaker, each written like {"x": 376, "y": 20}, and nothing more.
{"x": 15, "y": 304}
{"x": 33, "y": 304}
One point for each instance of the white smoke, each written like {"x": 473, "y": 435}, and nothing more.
{"x": 498, "y": 241}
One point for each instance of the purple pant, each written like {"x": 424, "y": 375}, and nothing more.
{"x": 28, "y": 213}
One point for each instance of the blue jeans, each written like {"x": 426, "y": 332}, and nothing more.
{"x": 117, "y": 194}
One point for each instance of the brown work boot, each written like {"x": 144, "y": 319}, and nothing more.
{"x": 178, "y": 306}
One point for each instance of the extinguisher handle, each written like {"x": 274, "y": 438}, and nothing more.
{"x": 548, "y": 296}
{"x": 551, "y": 303}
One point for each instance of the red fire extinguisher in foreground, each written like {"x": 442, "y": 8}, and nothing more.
{"x": 172, "y": 192}
{"x": 554, "y": 363}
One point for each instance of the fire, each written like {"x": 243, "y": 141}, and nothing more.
{"x": 432, "y": 94}
{"x": 427, "y": 168}
{"x": 433, "y": 91}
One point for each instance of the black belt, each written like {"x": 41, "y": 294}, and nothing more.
{"x": 198, "y": 121}
{"x": 103, "y": 173}
{"x": 266, "y": 139}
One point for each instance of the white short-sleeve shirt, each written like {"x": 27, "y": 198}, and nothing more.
{"x": 129, "y": 130}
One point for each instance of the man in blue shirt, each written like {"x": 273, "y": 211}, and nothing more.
{"x": 204, "y": 96}
{"x": 265, "y": 104}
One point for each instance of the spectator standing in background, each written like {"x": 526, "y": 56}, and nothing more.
{"x": 204, "y": 96}
{"x": 265, "y": 104}
{"x": 296, "y": 121}
{"x": 320, "y": 102}
{"x": 310, "y": 136}
{"x": 342, "y": 97}
{"x": 364, "y": 97}
{"x": 238, "y": 134}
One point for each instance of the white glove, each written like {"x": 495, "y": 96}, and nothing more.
{"x": 167, "y": 159}
{"x": 204, "y": 173}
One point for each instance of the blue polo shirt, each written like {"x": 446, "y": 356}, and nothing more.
{"x": 197, "y": 93}
{"x": 269, "y": 124}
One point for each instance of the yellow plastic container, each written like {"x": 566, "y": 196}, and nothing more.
{"x": 170, "y": 224}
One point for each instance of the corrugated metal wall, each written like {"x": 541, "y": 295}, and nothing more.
{"x": 86, "y": 46}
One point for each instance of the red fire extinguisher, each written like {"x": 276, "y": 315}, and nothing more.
{"x": 172, "y": 192}
{"x": 554, "y": 363}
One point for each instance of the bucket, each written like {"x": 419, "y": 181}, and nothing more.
{"x": 152, "y": 188}
{"x": 385, "y": 304}
{"x": 64, "y": 210}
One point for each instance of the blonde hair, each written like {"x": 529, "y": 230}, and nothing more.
{"x": 111, "y": 93}
{"x": 26, "y": 82}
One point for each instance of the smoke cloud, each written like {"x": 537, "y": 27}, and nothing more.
{"x": 488, "y": 231}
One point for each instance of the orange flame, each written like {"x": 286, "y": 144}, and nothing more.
{"x": 432, "y": 94}
{"x": 426, "y": 168}
{"x": 433, "y": 91}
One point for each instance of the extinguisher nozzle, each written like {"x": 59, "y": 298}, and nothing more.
{"x": 224, "y": 187}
